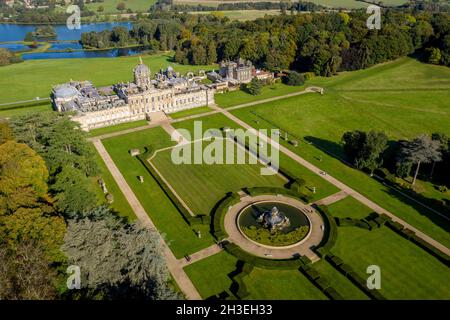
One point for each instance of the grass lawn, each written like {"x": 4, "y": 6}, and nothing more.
{"x": 8, "y": 113}
{"x": 407, "y": 272}
{"x": 229, "y": 99}
{"x": 210, "y": 275}
{"x": 349, "y": 207}
{"x": 35, "y": 78}
{"x": 241, "y": 15}
{"x": 110, "y": 6}
{"x": 120, "y": 204}
{"x": 181, "y": 238}
{"x": 118, "y": 127}
{"x": 390, "y": 103}
{"x": 217, "y": 121}
{"x": 266, "y": 284}
{"x": 189, "y": 112}
{"x": 201, "y": 186}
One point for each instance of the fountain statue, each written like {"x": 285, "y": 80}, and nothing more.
{"x": 274, "y": 220}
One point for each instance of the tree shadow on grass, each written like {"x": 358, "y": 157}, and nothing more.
{"x": 336, "y": 151}
{"x": 438, "y": 220}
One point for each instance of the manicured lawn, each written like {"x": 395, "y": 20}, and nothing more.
{"x": 181, "y": 238}
{"x": 120, "y": 204}
{"x": 217, "y": 121}
{"x": 201, "y": 186}
{"x": 389, "y": 103}
{"x": 118, "y": 127}
{"x": 349, "y": 207}
{"x": 8, "y": 113}
{"x": 189, "y": 112}
{"x": 237, "y": 97}
{"x": 35, "y": 78}
{"x": 407, "y": 272}
{"x": 210, "y": 275}
{"x": 266, "y": 284}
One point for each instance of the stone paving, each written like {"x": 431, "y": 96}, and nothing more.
{"x": 304, "y": 247}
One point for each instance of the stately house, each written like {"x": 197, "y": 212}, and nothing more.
{"x": 168, "y": 92}
{"x": 233, "y": 73}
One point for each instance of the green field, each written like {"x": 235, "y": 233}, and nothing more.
{"x": 349, "y": 207}
{"x": 407, "y": 272}
{"x": 118, "y": 127}
{"x": 241, "y": 15}
{"x": 237, "y": 97}
{"x": 217, "y": 121}
{"x": 181, "y": 238}
{"x": 35, "y": 78}
{"x": 120, "y": 204}
{"x": 201, "y": 186}
{"x": 395, "y": 97}
{"x": 110, "y": 6}
{"x": 12, "y": 112}
{"x": 189, "y": 112}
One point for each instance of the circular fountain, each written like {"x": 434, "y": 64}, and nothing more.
{"x": 274, "y": 224}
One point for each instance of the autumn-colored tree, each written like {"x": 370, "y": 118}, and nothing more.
{"x": 33, "y": 225}
{"x": 23, "y": 177}
{"x": 6, "y": 133}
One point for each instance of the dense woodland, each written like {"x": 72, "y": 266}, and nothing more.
{"x": 316, "y": 42}
{"x": 50, "y": 218}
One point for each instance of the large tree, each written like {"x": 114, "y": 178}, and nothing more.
{"x": 365, "y": 149}
{"x": 420, "y": 150}
{"x": 23, "y": 177}
{"x": 25, "y": 274}
{"x": 117, "y": 260}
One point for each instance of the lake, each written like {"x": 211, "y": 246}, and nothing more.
{"x": 16, "y": 32}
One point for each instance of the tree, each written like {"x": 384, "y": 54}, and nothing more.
{"x": 33, "y": 225}
{"x": 23, "y": 177}
{"x": 29, "y": 37}
{"x": 420, "y": 150}
{"x": 117, "y": 260}
{"x": 254, "y": 87}
{"x": 433, "y": 55}
{"x": 365, "y": 149}
{"x": 100, "y": 9}
{"x": 6, "y": 133}
{"x": 121, "y": 6}
{"x": 25, "y": 274}
{"x": 294, "y": 79}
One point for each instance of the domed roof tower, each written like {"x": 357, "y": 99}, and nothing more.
{"x": 142, "y": 75}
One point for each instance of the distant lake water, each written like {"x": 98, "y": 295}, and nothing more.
{"x": 16, "y": 32}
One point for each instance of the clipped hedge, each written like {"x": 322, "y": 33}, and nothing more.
{"x": 282, "y": 264}
{"x": 330, "y": 236}
{"x": 320, "y": 282}
{"x": 351, "y": 222}
{"x": 238, "y": 287}
{"x": 218, "y": 213}
{"x": 348, "y": 271}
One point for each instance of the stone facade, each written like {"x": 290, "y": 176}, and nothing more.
{"x": 168, "y": 92}
{"x": 240, "y": 71}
